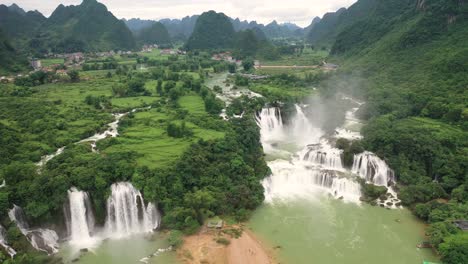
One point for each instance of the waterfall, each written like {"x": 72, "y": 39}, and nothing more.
{"x": 271, "y": 123}
{"x": 298, "y": 179}
{"x": 316, "y": 169}
{"x": 371, "y": 168}
{"x": 303, "y": 130}
{"x": 4, "y": 242}
{"x": 80, "y": 219}
{"x": 126, "y": 212}
{"x": 41, "y": 239}
{"x": 323, "y": 154}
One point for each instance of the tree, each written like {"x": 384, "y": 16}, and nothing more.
{"x": 248, "y": 64}
{"x": 159, "y": 88}
{"x": 74, "y": 75}
{"x": 455, "y": 249}
{"x": 232, "y": 68}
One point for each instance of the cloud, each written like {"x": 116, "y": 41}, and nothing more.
{"x": 300, "y": 12}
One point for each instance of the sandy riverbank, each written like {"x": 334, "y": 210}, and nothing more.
{"x": 202, "y": 248}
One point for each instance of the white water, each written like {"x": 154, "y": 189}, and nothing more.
{"x": 47, "y": 158}
{"x": 112, "y": 131}
{"x": 323, "y": 154}
{"x": 41, "y": 239}
{"x": 4, "y": 242}
{"x": 371, "y": 168}
{"x": 3, "y": 184}
{"x": 80, "y": 219}
{"x": 318, "y": 167}
{"x": 228, "y": 92}
{"x": 315, "y": 169}
{"x": 127, "y": 214}
{"x": 155, "y": 254}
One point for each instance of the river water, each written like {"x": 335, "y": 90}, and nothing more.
{"x": 312, "y": 212}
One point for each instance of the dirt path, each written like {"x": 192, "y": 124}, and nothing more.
{"x": 202, "y": 248}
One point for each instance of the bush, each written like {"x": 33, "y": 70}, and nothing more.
{"x": 175, "y": 238}
{"x": 223, "y": 241}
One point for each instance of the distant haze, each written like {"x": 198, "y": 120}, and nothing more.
{"x": 300, "y": 12}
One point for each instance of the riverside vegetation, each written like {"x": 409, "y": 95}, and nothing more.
{"x": 406, "y": 59}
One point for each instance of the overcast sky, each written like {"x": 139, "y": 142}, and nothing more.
{"x": 300, "y": 12}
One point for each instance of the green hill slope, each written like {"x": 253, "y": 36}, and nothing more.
{"x": 10, "y": 61}
{"x": 156, "y": 34}
{"x": 212, "y": 31}
{"x": 86, "y": 27}
{"x": 409, "y": 59}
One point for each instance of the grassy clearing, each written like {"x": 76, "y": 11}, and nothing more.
{"x": 155, "y": 54}
{"x": 193, "y": 103}
{"x": 132, "y": 102}
{"x": 272, "y": 91}
{"x": 307, "y": 58}
{"x": 49, "y": 62}
{"x": 301, "y": 72}
{"x": 147, "y": 137}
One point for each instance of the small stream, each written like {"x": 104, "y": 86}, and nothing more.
{"x": 111, "y": 131}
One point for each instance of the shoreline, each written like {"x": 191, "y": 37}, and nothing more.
{"x": 225, "y": 245}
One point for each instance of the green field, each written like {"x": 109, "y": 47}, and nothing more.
{"x": 147, "y": 137}
{"x": 49, "y": 62}
{"x": 193, "y": 103}
{"x": 307, "y": 58}
{"x": 132, "y": 102}
{"x": 276, "y": 91}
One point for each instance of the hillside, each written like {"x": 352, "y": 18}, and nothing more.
{"x": 180, "y": 29}
{"x": 17, "y": 23}
{"x": 212, "y": 31}
{"x": 155, "y": 34}
{"x": 370, "y": 14}
{"x": 10, "y": 61}
{"x": 409, "y": 61}
{"x": 86, "y": 27}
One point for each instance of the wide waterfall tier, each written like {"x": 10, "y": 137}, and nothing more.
{"x": 271, "y": 124}
{"x": 4, "y": 242}
{"x": 324, "y": 155}
{"x": 127, "y": 213}
{"x": 79, "y": 218}
{"x": 299, "y": 131}
{"x": 41, "y": 239}
{"x": 373, "y": 169}
{"x": 295, "y": 179}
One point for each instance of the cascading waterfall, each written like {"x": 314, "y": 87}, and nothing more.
{"x": 302, "y": 130}
{"x": 41, "y": 239}
{"x": 323, "y": 154}
{"x": 4, "y": 242}
{"x": 317, "y": 168}
{"x": 80, "y": 218}
{"x": 371, "y": 168}
{"x": 270, "y": 120}
{"x": 126, "y": 212}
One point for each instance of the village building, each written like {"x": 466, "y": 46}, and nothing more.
{"x": 168, "y": 52}
{"x": 75, "y": 57}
